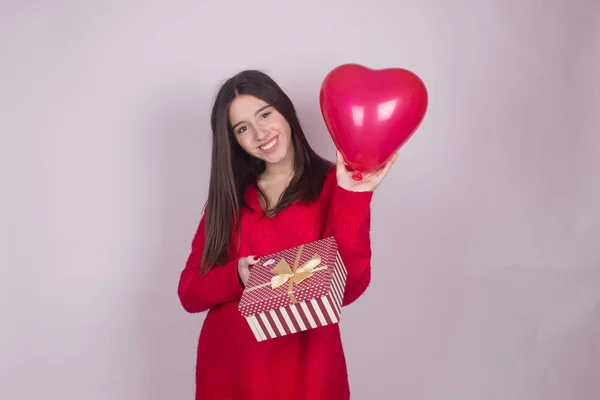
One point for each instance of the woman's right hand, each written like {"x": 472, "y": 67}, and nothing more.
{"x": 245, "y": 266}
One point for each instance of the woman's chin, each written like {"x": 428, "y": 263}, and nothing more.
{"x": 274, "y": 158}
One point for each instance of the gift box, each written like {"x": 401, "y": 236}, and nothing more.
{"x": 295, "y": 290}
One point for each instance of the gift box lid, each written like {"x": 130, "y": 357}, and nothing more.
{"x": 290, "y": 276}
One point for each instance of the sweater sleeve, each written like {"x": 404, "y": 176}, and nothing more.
{"x": 349, "y": 221}
{"x": 197, "y": 292}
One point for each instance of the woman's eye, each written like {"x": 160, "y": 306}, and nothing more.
{"x": 242, "y": 129}
{"x": 265, "y": 115}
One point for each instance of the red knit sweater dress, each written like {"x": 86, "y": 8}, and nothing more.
{"x": 308, "y": 365}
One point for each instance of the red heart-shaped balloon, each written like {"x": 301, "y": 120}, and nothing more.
{"x": 371, "y": 113}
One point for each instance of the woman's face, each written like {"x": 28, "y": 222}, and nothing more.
{"x": 260, "y": 129}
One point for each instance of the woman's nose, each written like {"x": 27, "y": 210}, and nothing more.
{"x": 262, "y": 133}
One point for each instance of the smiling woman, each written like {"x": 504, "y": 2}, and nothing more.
{"x": 270, "y": 191}
{"x": 264, "y": 133}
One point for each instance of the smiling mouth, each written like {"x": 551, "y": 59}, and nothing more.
{"x": 268, "y": 146}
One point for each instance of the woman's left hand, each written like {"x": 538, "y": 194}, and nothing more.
{"x": 370, "y": 180}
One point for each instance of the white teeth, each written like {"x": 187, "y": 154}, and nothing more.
{"x": 269, "y": 145}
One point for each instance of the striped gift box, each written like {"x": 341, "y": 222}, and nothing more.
{"x": 295, "y": 290}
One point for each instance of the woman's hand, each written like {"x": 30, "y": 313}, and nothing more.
{"x": 245, "y": 266}
{"x": 369, "y": 181}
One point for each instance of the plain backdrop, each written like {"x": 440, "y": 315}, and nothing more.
{"x": 486, "y": 233}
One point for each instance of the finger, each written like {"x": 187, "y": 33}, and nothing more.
{"x": 341, "y": 166}
{"x": 383, "y": 172}
{"x": 367, "y": 176}
{"x": 252, "y": 260}
{"x": 371, "y": 174}
{"x": 341, "y": 163}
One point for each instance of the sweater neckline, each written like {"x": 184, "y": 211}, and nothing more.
{"x": 253, "y": 200}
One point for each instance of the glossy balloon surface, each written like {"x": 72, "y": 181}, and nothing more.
{"x": 371, "y": 113}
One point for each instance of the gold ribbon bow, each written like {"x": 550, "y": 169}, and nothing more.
{"x": 294, "y": 275}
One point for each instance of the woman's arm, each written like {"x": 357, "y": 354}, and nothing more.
{"x": 199, "y": 292}
{"x": 349, "y": 221}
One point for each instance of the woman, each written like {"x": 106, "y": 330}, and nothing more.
{"x": 270, "y": 191}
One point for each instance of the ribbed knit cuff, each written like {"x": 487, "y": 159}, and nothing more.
{"x": 350, "y": 209}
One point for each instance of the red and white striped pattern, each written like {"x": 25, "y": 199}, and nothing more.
{"x": 308, "y": 313}
{"x": 304, "y": 315}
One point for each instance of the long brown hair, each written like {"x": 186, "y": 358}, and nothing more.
{"x": 233, "y": 169}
